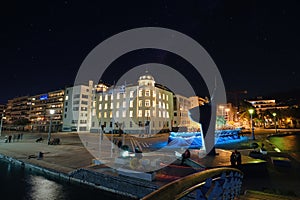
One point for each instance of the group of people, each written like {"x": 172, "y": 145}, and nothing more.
{"x": 235, "y": 158}
{"x": 13, "y": 138}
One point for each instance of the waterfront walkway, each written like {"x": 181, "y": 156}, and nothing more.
{"x": 71, "y": 155}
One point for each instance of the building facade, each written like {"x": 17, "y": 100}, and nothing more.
{"x": 77, "y": 108}
{"x": 143, "y": 108}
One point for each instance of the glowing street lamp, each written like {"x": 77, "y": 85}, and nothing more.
{"x": 51, "y": 111}
{"x": 1, "y": 123}
{"x": 251, "y": 111}
{"x": 274, "y": 115}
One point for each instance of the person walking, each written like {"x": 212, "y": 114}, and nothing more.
{"x": 233, "y": 159}
{"x": 238, "y": 157}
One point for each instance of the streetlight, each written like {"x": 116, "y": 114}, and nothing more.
{"x": 274, "y": 115}
{"x": 51, "y": 111}
{"x": 251, "y": 111}
{"x": 1, "y": 123}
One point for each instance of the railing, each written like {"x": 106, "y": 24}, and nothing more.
{"x": 219, "y": 183}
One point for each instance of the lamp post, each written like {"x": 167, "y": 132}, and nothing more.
{"x": 274, "y": 115}
{"x": 51, "y": 111}
{"x": 1, "y": 123}
{"x": 251, "y": 111}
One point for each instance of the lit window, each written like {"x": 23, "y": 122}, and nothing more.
{"x": 111, "y": 105}
{"x": 106, "y": 97}
{"x": 131, "y": 103}
{"x": 93, "y": 112}
{"x": 164, "y": 105}
{"x": 154, "y": 94}
{"x": 164, "y": 114}
{"x": 140, "y": 93}
{"x": 147, "y": 113}
{"x": 124, "y": 113}
{"x": 159, "y": 104}
{"x": 110, "y": 114}
{"x": 124, "y": 95}
{"x": 67, "y": 98}
{"x": 163, "y": 96}
{"x": 105, "y": 106}
{"x": 100, "y": 98}
{"x": 140, "y": 113}
{"x": 118, "y": 104}
{"x": 167, "y": 114}
{"x": 167, "y": 106}
{"x": 111, "y": 97}
{"x": 147, "y": 103}
{"x": 124, "y": 104}
{"x": 105, "y": 115}
{"x": 131, "y": 113}
{"x": 159, "y": 95}
{"x": 131, "y": 94}
{"x": 117, "y": 114}
{"x": 167, "y": 97}
{"x": 100, "y": 106}
{"x": 140, "y": 103}
{"x": 100, "y": 115}
{"x": 147, "y": 93}
{"x": 159, "y": 113}
{"x": 118, "y": 95}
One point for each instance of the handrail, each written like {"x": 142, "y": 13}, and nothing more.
{"x": 226, "y": 185}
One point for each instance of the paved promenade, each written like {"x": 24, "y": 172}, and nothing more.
{"x": 71, "y": 155}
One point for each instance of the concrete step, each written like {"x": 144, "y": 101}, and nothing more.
{"x": 256, "y": 195}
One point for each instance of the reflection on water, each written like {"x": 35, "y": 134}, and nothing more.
{"x": 41, "y": 188}
{"x": 19, "y": 184}
{"x": 287, "y": 143}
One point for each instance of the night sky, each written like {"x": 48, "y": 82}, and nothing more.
{"x": 255, "y": 44}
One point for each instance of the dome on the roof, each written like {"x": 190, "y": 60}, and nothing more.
{"x": 146, "y": 77}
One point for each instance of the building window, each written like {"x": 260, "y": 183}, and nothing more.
{"x": 159, "y": 95}
{"x": 154, "y": 94}
{"x": 106, "y": 97}
{"x": 75, "y": 108}
{"x": 100, "y": 106}
{"x": 84, "y": 102}
{"x": 117, "y": 114}
{"x": 147, "y": 103}
{"x": 167, "y": 105}
{"x": 82, "y": 121}
{"x": 140, "y": 93}
{"x": 159, "y": 104}
{"x": 140, "y": 124}
{"x": 105, "y": 106}
{"x": 100, "y": 98}
{"x": 100, "y": 114}
{"x": 85, "y": 96}
{"x": 110, "y": 124}
{"x": 140, "y": 103}
{"x": 147, "y": 113}
{"x": 67, "y": 98}
{"x": 110, "y": 114}
{"x": 105, "y": 115}
{"x": 159, "y": 113}
{"x": 111, "y": 105}
{"x": 131, "y": 103}
{"x": 74, "y": 121}
{"x": 118, "y": 104}
{"x": 153, "y": 113}
{"x": 124, "y": 95}
{"x": 167, "y": 97}
{"x": 124, "y": 104}
{"x": 164, "y": 105}
{"x": 131, "y": 94}
{"x": 76, "y": 96}
{"x": 118, "y": 95}
{"x": 147, "y": 93}
{"x": 93, "y": 112}
{"x": 130, "y": 124}
{"x": 66, "y": 109}
{"x": 167, "y": 114}
{"x": 153, "y": 104}
{"x": 65, "y": 115}
{"x": 83, "y": 108}
{"x": 124, "y": 113}
{"x": 111, "y": 97}
{"x": 163, "y": 96}
{"x": 75, "y": 102}
{"x": 131, "y": 113}
{"x": 164, "y": 114}
{"x": 140, "y": 113}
